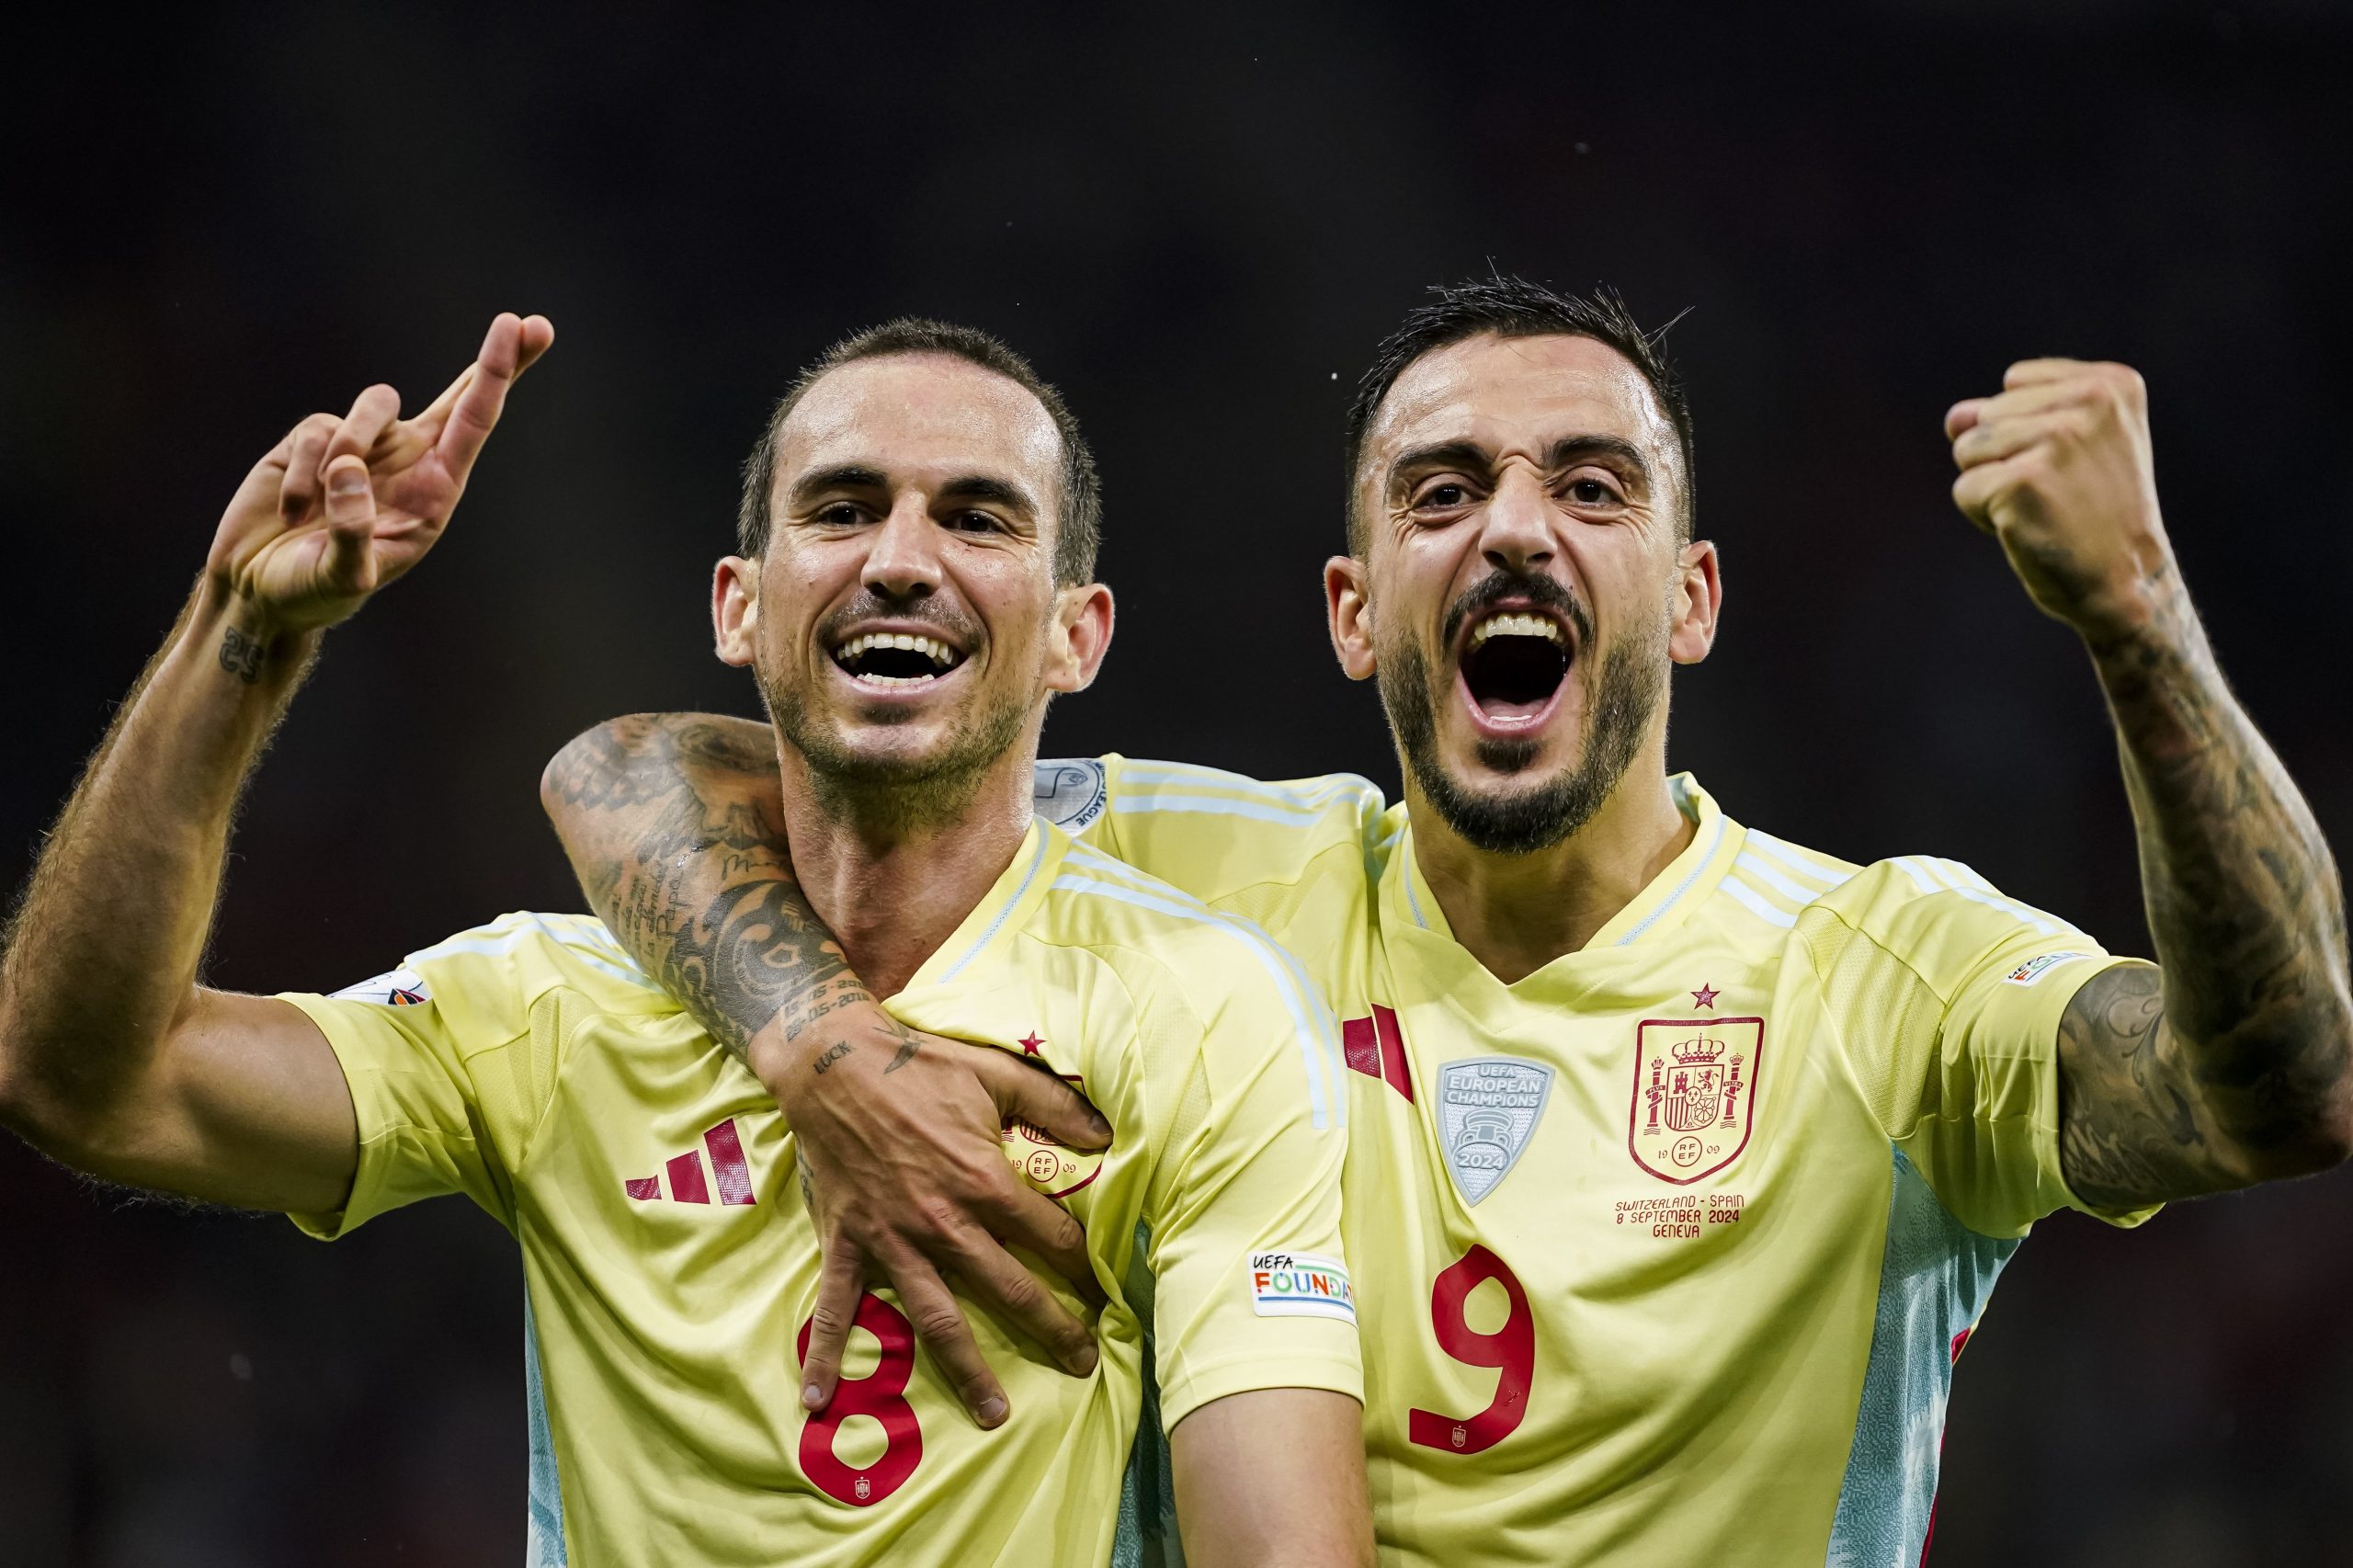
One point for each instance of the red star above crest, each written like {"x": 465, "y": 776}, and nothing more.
{"x": 1031, "y": 1043}
{"x": 1705, "y": 996}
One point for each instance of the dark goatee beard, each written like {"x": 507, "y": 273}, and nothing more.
{"x": 1520, "y": 822}
{"x": 896, "y": 795}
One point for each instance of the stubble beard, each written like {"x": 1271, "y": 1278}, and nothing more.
{"x": 897, "y": 794}
{"x": 1619, "y": 705}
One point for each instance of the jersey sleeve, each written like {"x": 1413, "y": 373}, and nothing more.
{"x": 1946, "y": 997}
{"x": 1213, "y": 833}
{"x": 451, "y": 1060}
{"x": 1251, "y": 1284}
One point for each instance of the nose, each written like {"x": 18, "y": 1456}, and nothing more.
{"x": 1516, "y": 528}
{"x": 903, "y": 553}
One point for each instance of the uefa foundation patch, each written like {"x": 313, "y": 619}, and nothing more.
{"x": 1301, "y": 1285}
{"x": 2034, "y": 968}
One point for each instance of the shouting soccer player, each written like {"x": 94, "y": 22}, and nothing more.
{"x": 1683, "y": 1159}
{"x": 921, "y": 585}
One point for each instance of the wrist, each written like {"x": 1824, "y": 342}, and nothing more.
{"x": 241, "y": 639}
{"x": 790, "y": 1060}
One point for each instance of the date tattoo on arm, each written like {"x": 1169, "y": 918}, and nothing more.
{"x": 668, "y": 822}
{"x": 2230, "y": 1065}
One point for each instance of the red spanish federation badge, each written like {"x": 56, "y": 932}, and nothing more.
{"x": 1050, "y": 1169}
{"x": 1695, "y": 1094}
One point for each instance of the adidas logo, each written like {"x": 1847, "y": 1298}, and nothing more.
{"x": 730, "y": 1175}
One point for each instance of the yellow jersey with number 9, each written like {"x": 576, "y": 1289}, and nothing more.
{"x": 1666, "y": 1251}
{"x": 671, "y": 1265}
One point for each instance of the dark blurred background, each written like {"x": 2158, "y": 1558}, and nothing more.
{"x": 1197, "y": 220}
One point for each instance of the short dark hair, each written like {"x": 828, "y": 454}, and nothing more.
{"x": 1078, "y": 531}
{"x": 1512, "y": 307}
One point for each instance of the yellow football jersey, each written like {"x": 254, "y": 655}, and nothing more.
{"x": 671, "y": 1265}
{"x": 1665, "y": 1252}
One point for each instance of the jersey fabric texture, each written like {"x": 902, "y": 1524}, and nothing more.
{"x": 671, "y": 1265}
{"x": 1666, "y": 1251}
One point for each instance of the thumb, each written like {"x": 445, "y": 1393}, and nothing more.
{"x": 350, "y": 564}
{"x": 1031, "y": 1095}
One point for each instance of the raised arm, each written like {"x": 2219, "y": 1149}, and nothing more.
{"x": 112, "y": 1058}
{"x": 2233, "y": 1064}
{"x": 673, "y": 826}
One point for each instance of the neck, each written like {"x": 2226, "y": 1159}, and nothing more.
{"x": 892, "y": 882}
{"x": 1518, "y": 912}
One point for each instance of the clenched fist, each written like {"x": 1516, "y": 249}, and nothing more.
{"x": 343, "y": 505}
{"x": 2057, "y": 466}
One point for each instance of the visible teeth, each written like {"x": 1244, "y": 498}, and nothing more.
{"x": 1516, "y": 625}
{"x": 931, "y": 647}
{"x": 894, "y": 680}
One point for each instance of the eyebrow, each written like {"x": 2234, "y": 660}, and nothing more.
{"x": 1566, "y": 452}
{"x": 841, "y": 476}
{"x": 968, "y": 488}
{"x": 982, "y": 487}
{"x": 1573, "y": 449}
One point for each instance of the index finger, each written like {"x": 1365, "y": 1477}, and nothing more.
{"x": 510, "y": 347}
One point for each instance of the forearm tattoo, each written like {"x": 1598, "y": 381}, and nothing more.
{"x": 650, "y": 846}
{"x": 2224, "y": 1068}
{"x": 240, "y": 655}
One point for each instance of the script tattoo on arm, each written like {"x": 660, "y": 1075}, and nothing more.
{"x": 2231, "y": 1066}
{"x": 670, "y": 821}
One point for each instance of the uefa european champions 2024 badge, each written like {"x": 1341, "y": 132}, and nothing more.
{"x": 1487, "y": 1106}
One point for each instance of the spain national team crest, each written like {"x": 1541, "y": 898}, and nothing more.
{"x": 1050, "y": 1169}
{"x": 1487, "y": 1106}
{"x": 1695, "y": 1094}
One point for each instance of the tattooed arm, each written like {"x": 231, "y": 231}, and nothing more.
{"x": 2233, "y": 1064}
{"x": 674, "y": 828}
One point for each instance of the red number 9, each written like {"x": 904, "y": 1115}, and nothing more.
{"x": 1511, "y": 1350}
{"x": 881, "y": 1394}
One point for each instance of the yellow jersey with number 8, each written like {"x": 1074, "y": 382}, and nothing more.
{"x": 671, "y": 1265}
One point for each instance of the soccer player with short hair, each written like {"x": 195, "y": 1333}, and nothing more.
{"x": 920, "y": 588}
{"x": 1683, "y": 1157}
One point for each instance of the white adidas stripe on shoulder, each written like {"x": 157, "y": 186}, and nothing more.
{"x": 577, "y": 935}
{"x": 1315, "y": 792}
{"x": 1933, "y": 876}
{"x": 1145, "y": 882}
{"x": 1757, "y": 867}
{"x": 1216, "y": 805}
{"x": 1755, "y": 902}
{"x": 1318, "y": 1040}
{"x": 1805, "y": 862}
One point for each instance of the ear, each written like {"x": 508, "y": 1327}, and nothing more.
{"x": 1349, "y": 615}
{"x": 734, "y": 608}
{"x": 1082, "y": 635}
{"x": 1698, "y": 598}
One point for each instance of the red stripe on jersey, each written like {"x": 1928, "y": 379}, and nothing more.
{"x": 1376, "y": 1048}
{"x": 727, "y": 1163}
{"x": 1359, "y": 1045}
{"x": 1393, "y": 1052}
{"x": 686, "y": 1178}
{"x": 642, "y": 1188}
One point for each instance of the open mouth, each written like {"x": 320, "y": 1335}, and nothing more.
{"x": 1512, "y": 664}
{"x": 896, "y": 660}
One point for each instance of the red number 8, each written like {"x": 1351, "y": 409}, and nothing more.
{"x": 881, "y": 1394}
{"x": 1511, "y": 1350}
